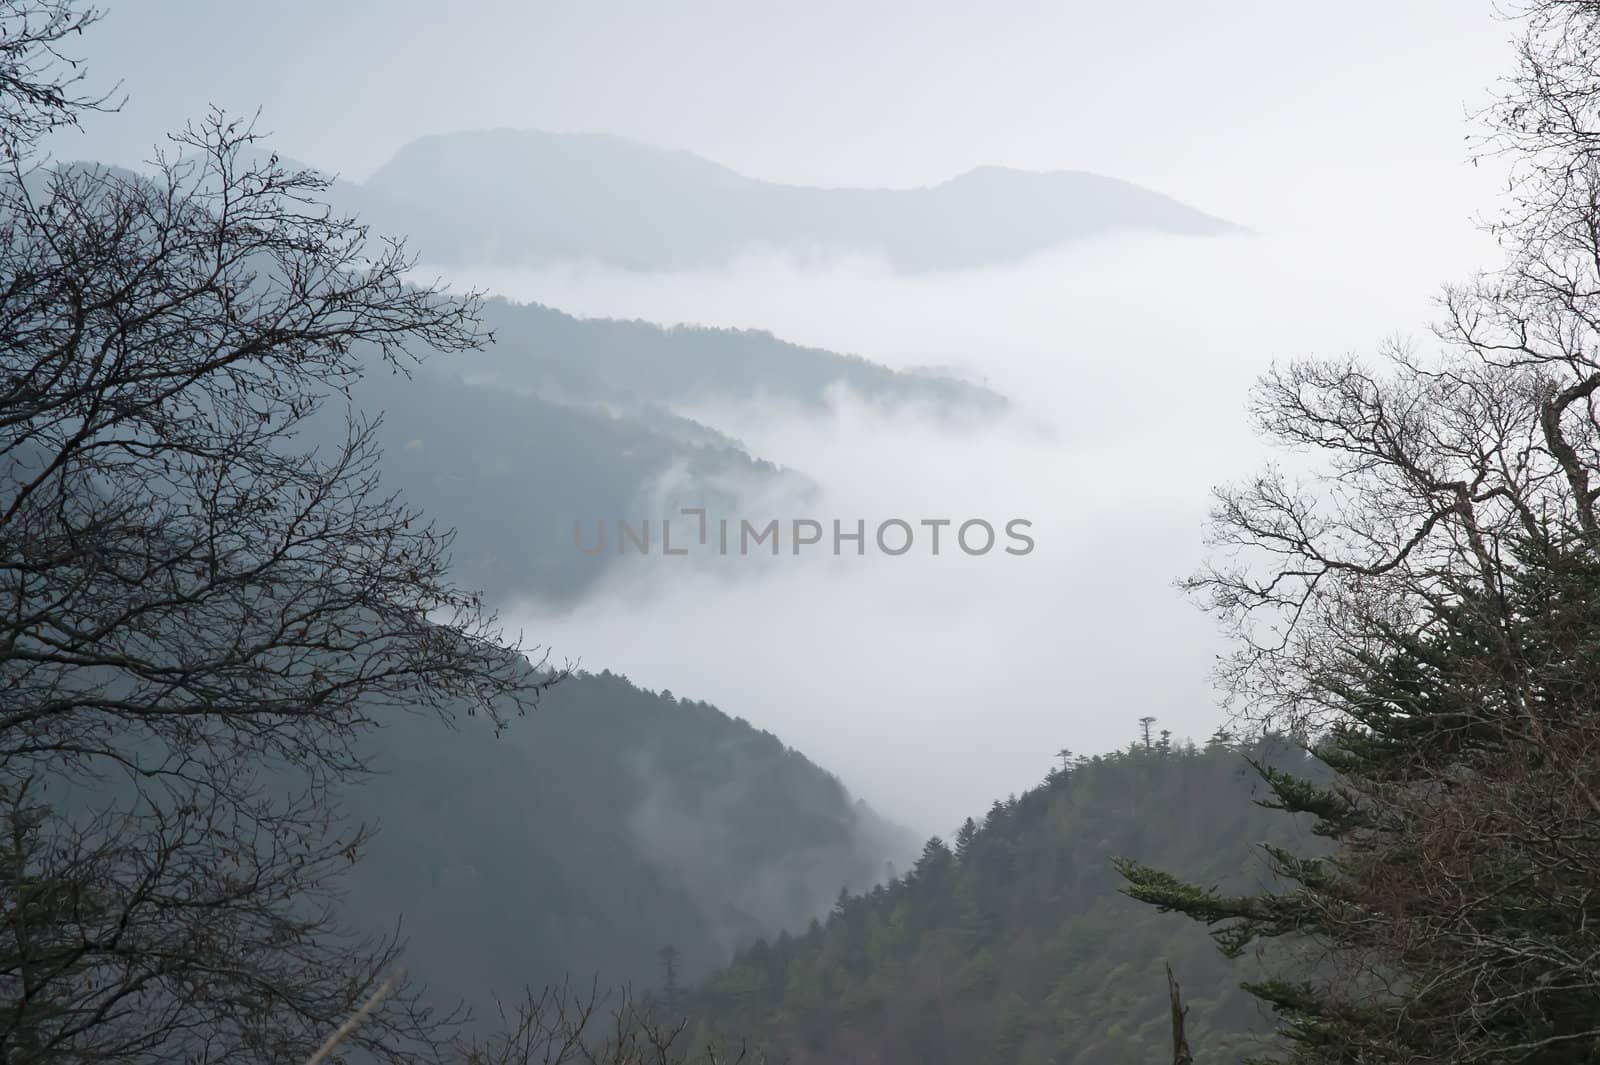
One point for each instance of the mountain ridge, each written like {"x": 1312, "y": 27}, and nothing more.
{"x": 710, "y": 166}
{"x": 533, "y": 197}
{"x": 609, "y": 822}
{"x": 1013, "y": 944}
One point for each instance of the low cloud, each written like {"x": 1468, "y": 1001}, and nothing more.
{"x": 935, "y": 685}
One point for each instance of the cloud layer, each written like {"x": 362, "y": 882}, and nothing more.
{"x": 935, "y": 685}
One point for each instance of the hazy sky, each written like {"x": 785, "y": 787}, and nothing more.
{"x": 1336, "y": 131}
{"x": 1262, "y": 112}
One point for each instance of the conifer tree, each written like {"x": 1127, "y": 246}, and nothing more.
{"x": 1427, "y": 612}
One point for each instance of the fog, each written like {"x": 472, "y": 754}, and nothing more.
{"x": 842, "y": 393}
{"x": 1258, "y": 112}
{"x": 934, "y": 685}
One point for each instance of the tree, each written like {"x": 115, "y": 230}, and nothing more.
{"x": 1144, "y": 730}
{"x": 964, "y": 837}
{"x": 40, "y": 86}
{"x": 562, "y": 1027}
{"x": 1429, "y": 610}
{"x": 202, "y": 613}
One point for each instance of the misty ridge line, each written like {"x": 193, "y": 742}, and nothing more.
{"x": 693, "y": 162}
{"x": 805, "y": 533}
{"x": 528, "y": 197}
{"x": 612, "y": 357}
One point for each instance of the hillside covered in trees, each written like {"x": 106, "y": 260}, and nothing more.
{"x": 569, "y": 421}
{"x": 513, "y": 473}
{"x": 543, "y": 350}
{"x": 1012, "y": 944}
{"x": 232, "y": 645}
{"x": 608, "y": 824}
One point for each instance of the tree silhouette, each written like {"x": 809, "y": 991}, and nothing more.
{"x": 202, "y": 613}
{"x": 1431, "y": 630}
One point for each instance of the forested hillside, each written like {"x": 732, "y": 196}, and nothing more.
{"x": 607, "y": 824}
{"x": 599, "y": 359}
{"x": 283, "y": 781}
{"x": 1012, "y": 944}
{"x": 512, "y": 473}
{"x": 570, "y": 421}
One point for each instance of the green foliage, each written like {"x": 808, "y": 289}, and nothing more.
{"x": 1454, "y": 916}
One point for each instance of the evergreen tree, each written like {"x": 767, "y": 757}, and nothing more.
{"x": 1468, "y": 848}
{"x": 1015, "y": 946}
{"x": 1434, "y": 624}
{"x": 964, "y": 837}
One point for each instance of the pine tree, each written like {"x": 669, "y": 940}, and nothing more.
{"x": 1469, "y": 842}
{"x": 1430, "y": 627}
{"x": 964, "y": 837}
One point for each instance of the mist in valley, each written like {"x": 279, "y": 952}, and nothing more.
{"x": 329, "y": 663}
{"x": 935, "y": 684}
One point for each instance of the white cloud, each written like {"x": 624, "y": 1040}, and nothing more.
{"x": 935, "y": 685}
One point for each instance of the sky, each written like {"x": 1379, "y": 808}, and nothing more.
{"x": 1261, "y": 112}
{"x": 1337, "y": 133}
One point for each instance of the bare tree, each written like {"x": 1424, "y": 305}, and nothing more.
{"x": 200, "y": 614}
{"x": 1430, "y": 466}
{"x": 41, "y": 84}
{"x": 562, "y": 1027}
{"x": 1427, "y": 599}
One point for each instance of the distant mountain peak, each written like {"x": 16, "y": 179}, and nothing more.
{"x": 529, "y": 197}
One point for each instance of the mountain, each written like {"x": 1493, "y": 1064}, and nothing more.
{"x": 606, "y": 824}
{"x": 1013, "y": 945}
{"x": 554, "y": 354}
{"x": 516, "y": 475}
{"x": 528, "y": 198}
{"x": 564, "y": 422}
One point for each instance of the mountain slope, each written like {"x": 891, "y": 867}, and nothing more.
{"x": 527, "y": 197}
{"x": 546, "y": 351}
{"x": 516, "y": 475}
{"x": 565, "y": 422}
{"x": 1014, "y": 945}
{"x": 605, "y": 825}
